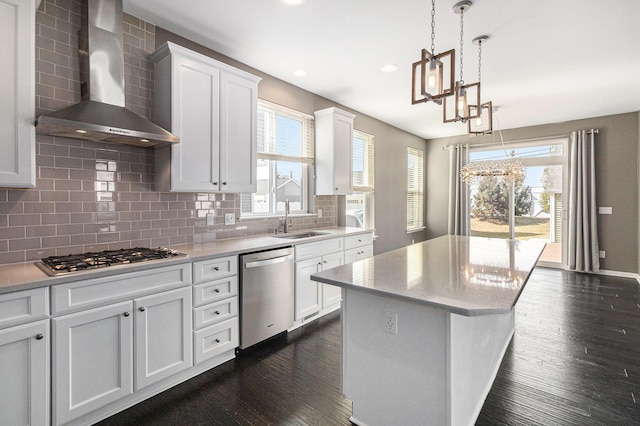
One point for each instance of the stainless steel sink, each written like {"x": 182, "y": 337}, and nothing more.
{"x": 301, "y": 235}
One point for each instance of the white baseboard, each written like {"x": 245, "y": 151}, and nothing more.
{"x": 619, "y": 274}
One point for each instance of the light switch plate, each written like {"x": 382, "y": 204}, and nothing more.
{"x": 229, "y": 219}
{"x": 209, "y": 219}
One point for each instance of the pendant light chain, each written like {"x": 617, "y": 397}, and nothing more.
{"x": 461, "y": 42}
{"x": 433, "y": 27}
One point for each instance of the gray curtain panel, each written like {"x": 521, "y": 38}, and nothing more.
{"x": 458, "y": 192}
{"x": 583, "y": 211}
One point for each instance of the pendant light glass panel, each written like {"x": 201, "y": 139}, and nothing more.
{"x": 433, "y": 77}
{"x": 456, "y": 108}
{"x": 483, "y": 124}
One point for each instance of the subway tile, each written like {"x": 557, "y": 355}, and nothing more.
{"x": 108, "y": 237}
{"x": 70, "y": 229}
{"x": 24, "y": 244}
{"x": 40, "y": 231}
{"x": 11, "y": 208}
{"x": 55, "y": 219}
{"x": 83, "y": 239}
{"x": 13, "y": 257}
{"x": 130, "y": 216}
{"x": 58, "y": 241}
{"x": 42, "y": 207}
{"x": 70, "y": 207}
{"x": 53, "y": 196}
{"x": 22, "y": 195}
{"x": 45, "y": 161}
{"x": 82, "y": 196}
{"x": 68, "y": 185}
{"x": 82, "y": 217}
{"x": 12, "y": 232}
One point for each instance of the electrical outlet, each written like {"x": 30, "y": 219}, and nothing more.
{"x": 602, "y": 253}
{"x": 229, "y": 219}
{"x": 390, "y": 322}
{"x": 319, "y": 213}
{"x": 209, "y": 219}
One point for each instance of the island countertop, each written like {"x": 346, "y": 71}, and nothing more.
{"x": 468, "y": 276}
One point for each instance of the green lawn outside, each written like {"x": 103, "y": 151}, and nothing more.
{"x": 526, "y": 228}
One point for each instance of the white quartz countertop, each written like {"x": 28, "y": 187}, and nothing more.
{"x": 464, "y": 275}
{"x": 23, "y": 276}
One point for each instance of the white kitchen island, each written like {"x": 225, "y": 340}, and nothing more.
{"x": 425, "y": 327}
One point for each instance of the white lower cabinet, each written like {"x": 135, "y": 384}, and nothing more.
{"x": 310, "y": 296}
{"x": 98, "y": 358}
{"x": 25, "y": 389}
{"x": 215, "y": 314}
{"x": 24, "y": 374}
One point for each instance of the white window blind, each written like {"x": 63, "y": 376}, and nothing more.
{"x": 284, "y": 134}
{"x": 363, "y": 175}
{"x": 415, "y": 183}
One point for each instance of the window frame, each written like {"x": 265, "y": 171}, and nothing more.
{"x": 306, "y": 160}
{"x": 367, "y": 189}
{"x": 415, "y": 192}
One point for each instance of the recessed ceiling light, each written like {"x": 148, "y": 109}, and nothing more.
{"x": 389, "y": 68}
{"x": 299, "y": 73}
{"x": 293, "y": 2}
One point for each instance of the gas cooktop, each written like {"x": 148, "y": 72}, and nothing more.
{"x": 58, "y": 265}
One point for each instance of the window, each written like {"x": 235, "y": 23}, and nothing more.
{"x": 285, "y": 158}
{"x": 415, "y": 183}
{"x": 359, "y": 207}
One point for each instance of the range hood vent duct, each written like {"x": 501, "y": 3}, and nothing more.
{"x": 101, "y": 115}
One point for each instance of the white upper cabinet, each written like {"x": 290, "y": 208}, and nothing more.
{"x": 17, "y": 94}
{"x": 212, "y": 108}
{"x": 334, "y": 135}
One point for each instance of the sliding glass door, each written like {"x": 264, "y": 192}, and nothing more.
{"x": 529, "y": 208}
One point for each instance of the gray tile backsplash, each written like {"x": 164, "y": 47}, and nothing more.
{"x": 94, "y": 196}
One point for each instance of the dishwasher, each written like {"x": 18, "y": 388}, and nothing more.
{"x": 266, "y": 294}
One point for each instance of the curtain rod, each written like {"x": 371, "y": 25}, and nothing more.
{"x": 467, "y": 144}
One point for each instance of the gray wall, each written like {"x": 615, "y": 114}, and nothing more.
{"x": 617, "y": 150}
{"x": 390, "y": 146}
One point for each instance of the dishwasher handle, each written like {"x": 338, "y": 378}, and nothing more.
{"x": 271, "y": 261}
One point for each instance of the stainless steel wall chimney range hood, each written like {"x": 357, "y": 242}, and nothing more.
{"x": 101, "y": 115}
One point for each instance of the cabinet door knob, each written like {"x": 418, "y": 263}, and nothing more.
{"x": 217, "y": 290}
{"x": 215, "y": 183}
{"x": 142, "y": 309}
{"x": 217, "y": 312}
{"x": 216, "y": 268}
{"x": 336, "y": 189}
{"x": 359, "y": 240}
{"x": 126, "y": 314}
{"x": 325, "y": 262}
{"x": 39, "y": 336}
{"x": 217, "y": 340}
{"x": 224, "y": 183}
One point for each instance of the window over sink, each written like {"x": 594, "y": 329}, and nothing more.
{"x": 285, "y": 162}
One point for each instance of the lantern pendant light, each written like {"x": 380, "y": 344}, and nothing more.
{"x": 462, "y": 91}
{"x": 432, "y": 77}
{"x": 483, "y": 124}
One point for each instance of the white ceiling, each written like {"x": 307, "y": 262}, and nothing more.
{"x": 546, "y": 60}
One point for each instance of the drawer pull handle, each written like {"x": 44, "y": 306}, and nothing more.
{"x": 39, "y": 336}
{"x": 216, "y": 290}
{"x": 217, "y": 312}
{"x": 217, "y": 340}
{"x": 126, "y": 314}
{"x": 216, "y": 268}
{"x": 215, "y": 183}
{"x": 142, "y": 309}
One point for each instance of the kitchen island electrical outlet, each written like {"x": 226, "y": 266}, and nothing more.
{"x": 229, "y": 219}
{"x": 209, "y": 219}
{"x": 602, "y": 254}
{"x": 390, "y": 322}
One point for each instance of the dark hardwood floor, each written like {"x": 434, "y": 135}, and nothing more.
{"x": 574, "y": 360}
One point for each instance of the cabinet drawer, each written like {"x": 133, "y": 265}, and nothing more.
{"x": 358, "y": 253}
{"x": 215, "y": 290}
{"x": 99, "y": 291}
{"x": 23, "y": 306}
{"x": 318, "y": 248}
{"x": 207, "y": 270}
{"x": 215, "y": 340}
{"x": 357, "y": 240}
{"x": 214, "y": 313}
